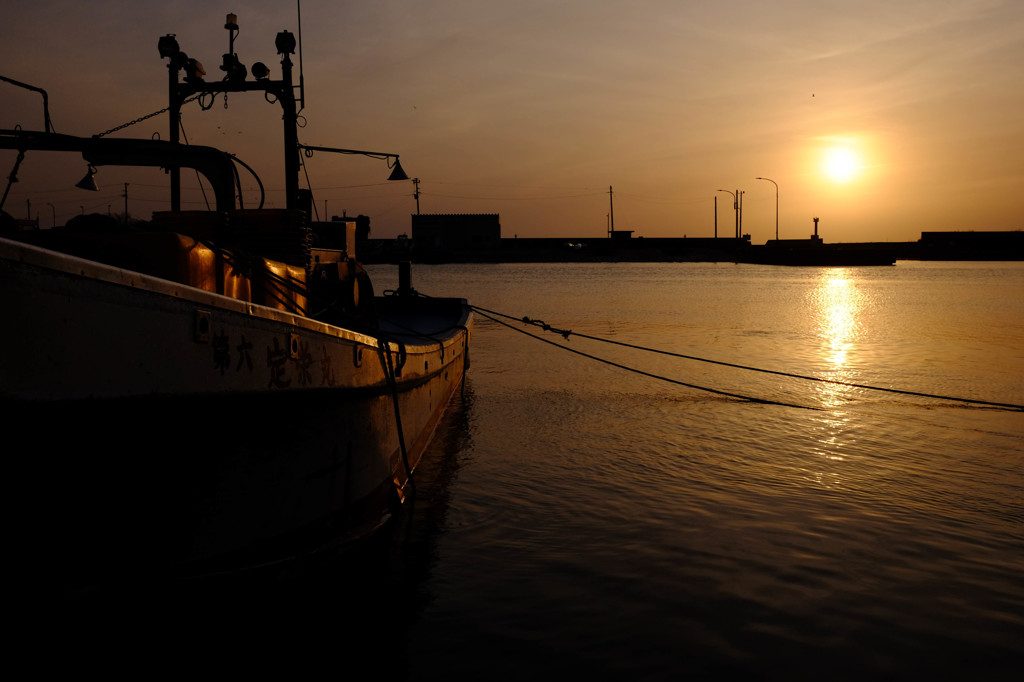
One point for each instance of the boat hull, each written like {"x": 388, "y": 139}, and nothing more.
{"x": 172, "y": 430}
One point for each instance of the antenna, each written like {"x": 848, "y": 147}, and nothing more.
{"x": 302, "y": 82}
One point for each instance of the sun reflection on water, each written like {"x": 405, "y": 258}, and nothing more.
{"x": 837, "y": 305}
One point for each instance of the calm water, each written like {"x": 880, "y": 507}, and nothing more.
{"x": 575, "y": 519}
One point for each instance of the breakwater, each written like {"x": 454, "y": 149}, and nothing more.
{"x": 967, "y": 246}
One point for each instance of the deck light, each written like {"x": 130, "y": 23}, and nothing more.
{"x": 234, "y": 70}
{"x": 89, "y": 181}
{"x": 285, "y": 42}
{"x": 397, "y": 173}
{"x": 194, "y": 72}
{"x": 168, "y": 46}
{"x": 260, "y": 71}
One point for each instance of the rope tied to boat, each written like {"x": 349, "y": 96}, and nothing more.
{"x": 548, "y": 328}
{"x": 391, "y": 373}
{"x": 635, "y": 370}
{"x": 493, "y": 315}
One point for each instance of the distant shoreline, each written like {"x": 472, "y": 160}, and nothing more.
{"x": 933, "y": 246}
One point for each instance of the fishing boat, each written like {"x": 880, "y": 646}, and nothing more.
{"x": 219, "y": 390}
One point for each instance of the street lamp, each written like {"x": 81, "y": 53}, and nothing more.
{"x": 736, "y": 208}
{"x": 776, "y": 205}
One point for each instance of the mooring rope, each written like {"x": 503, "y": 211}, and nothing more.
{"x": 392, "y": 377}
{"x": 739, "y": 396}
{"x": 566, "y": 333}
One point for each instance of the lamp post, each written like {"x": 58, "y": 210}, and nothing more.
{"x": 776, "y": 205}
{"x": 736, "y": 208}
{"x": 611, "y": 214}
{"x": 739, "y": 204}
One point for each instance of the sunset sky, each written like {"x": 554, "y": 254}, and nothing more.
{"x": 885, "y": 118}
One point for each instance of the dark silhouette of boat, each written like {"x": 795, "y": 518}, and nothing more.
{"x": 214, "y": 390}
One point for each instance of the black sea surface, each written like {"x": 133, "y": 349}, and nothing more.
{"x": 574, "y": 519}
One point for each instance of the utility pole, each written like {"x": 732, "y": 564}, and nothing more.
{"x": 416, "y": 194}
{"x": 611, "y": 214}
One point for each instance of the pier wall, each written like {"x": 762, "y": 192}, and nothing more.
{"x": 932, "y": 246}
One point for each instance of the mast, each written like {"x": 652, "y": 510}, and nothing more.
{"x": 282, "y": 90}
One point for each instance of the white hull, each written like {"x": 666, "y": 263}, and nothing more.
{"x": 170, "y": 427}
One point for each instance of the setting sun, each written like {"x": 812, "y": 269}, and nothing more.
{"x": 841, "y": 164}
{"x": 850, "y": 112}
